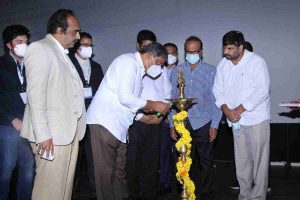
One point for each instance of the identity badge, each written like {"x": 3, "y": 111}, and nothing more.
{"x": 88, "y": 93}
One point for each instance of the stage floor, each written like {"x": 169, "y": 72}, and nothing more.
{"x": 284, "y": 182}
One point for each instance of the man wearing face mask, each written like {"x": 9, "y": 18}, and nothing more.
{"x": 14, "y": 150}
{"x": 91, "y": 75}
{"x": 204, "y": 116}
{"x": 144, "y": 136}
{"x": 112, "y": 111}
{"x": 167, "y": 152}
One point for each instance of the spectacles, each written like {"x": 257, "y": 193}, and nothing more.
{"x": 192, "y": 52}
{"x": 87, "y": 45}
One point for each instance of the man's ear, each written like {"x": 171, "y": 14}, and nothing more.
{"x": 137, "y": 46}
{"x": 59, "y": 30}
{"x": 9, "y": 45}
{"x": 241, "y": 47}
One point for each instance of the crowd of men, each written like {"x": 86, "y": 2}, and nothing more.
{"x": 53, "y": 95}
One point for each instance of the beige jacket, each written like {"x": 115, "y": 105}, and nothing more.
{"x": 52, "y": 109}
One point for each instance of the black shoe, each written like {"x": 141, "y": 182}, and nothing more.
{"x": 235, "y": 186}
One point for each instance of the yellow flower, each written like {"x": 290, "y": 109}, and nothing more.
{"x": 183, "y": 169}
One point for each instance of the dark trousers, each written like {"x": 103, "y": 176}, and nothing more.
{"x": 15, "y": 151}
{"x": 168, "y": 158}
{"x": 109, "y": 156}
{"x": 202, "y": 172}
{"x": 84, "y": 162}
{"x": 143, "y": 160}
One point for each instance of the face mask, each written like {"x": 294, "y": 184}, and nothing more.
{"x": 153, "y": 72}
{"x": 20, "y": 50}
{"x": 86, "y": 52}
{"x": 192, "y": 58}
{"x": 171, "y": 59}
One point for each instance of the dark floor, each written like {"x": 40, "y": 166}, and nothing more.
{"x": 284, "y": 181}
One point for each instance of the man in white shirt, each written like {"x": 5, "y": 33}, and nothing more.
{"x": 242, "y": 91}
{"x": 112, "y": 111}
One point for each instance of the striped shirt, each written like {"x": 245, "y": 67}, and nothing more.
{"x": 198, "y": 84}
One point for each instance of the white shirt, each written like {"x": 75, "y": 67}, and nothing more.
{"x": 76, "y": 79}
{"x": 156, "y": 90}
{"x": 85, "y": 65}
{"x": 118, "y": 96}
{"x": 246, "y": 83}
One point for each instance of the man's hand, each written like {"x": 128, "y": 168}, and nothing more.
{"x": 151, "y": 119}
{"x": 240, "y": 109}
{"x": 232, "y": 115}
{"x": 157, "y": 106}
{"x": 212, "y": 134}
{"x": 46, "y": 146}
{"x": 173, "y": 133}
{"x": 17, "y": 123}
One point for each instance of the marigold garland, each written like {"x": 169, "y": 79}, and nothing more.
{"x": 183, "y": 169}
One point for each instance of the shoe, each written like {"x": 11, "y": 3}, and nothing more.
{"x": 235, "y": 186}
{"x": 269, "y": 188}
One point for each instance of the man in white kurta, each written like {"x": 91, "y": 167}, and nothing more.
{"x": 241, "y": 90}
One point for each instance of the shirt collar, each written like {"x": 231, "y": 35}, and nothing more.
{"x": 61, "y": 48}
{"x": 81, "y": 60}
{"x": 188, "y": 66}
{"x": 139, "y": 59}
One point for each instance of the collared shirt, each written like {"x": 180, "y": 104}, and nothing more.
{"x": 156, "y": 90}
{"x": 198, "y": 84}
{"x": 246, "y": 83}
{"x": 85, "y": 65}
{"x": 118, "y": 96}
{"x": 76, "y": 79}
{"x": 169, "y": 70}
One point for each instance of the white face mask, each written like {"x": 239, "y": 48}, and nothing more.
{"x": 171, "y": 59}
{"x": 154, "y": 71}
{"x": 86, "y": 52}
{"x": 20, "y": 50}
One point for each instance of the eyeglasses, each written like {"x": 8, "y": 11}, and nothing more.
{"x": 87, "y": 45}
{"x": 192, "y": 52}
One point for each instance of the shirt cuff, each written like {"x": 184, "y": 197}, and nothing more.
{"x": 214, "y": 124}
{"x": 248, "y": 106}
{"x": 141, "y": 104}
{"x": 220, "y": 102}
{"x": 138, "y": 116}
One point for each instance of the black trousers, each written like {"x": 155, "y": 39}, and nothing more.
{"x": 202, "y": 171}
{"x": 142, "y": 165}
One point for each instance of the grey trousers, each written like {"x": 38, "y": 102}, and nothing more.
{"x": 252, "y": 149}
{"x": 109, "y": 156}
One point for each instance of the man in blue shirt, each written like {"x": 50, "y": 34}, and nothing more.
{"x": 204, "y": 116}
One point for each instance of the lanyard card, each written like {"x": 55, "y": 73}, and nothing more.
{"x": 24, "y": 97}
{"x": 88, "y": 93}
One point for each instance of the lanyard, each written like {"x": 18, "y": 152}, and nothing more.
{"x": 20, "y": 72}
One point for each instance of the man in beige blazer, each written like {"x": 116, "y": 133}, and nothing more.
{"x": 55, "y": 116}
